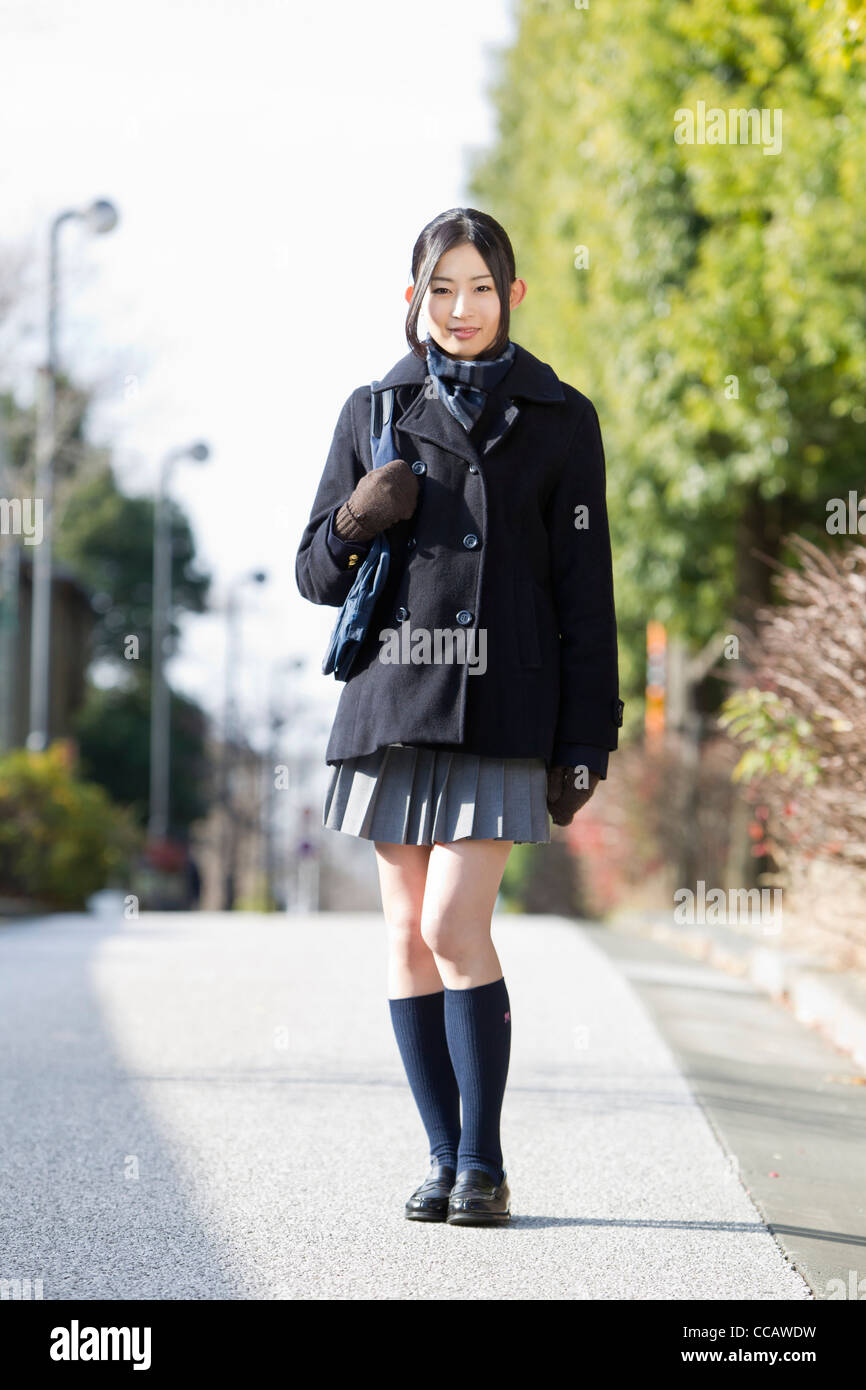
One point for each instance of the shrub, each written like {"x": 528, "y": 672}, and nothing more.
{"x": 61, "y": 839}
{"x": 803, "y": 718}
{"x": 652, "y": 818}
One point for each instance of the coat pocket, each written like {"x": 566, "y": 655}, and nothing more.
{"x": 526, "y": 623}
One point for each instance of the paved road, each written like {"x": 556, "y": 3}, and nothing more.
{"x": 204, "y": 1106}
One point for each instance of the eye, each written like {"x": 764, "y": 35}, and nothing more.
{"x": 440, "y": 289}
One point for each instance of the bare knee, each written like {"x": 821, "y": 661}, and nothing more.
{"x": 405, "y": 940}
{"x": 453, "y": 937}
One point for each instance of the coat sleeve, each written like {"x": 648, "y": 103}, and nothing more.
{"x": 322, "y": 570}
{"x": 346, "y": 552}
{"x": 590, "y": 710}
{"x": 580, "y": 754}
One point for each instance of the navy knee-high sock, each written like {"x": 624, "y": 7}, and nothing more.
{"x": 419, "y": 1026}
{"x": 478, "y": 1028}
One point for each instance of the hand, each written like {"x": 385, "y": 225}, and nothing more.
{"x": 564, "y": 799}
{"x": 383, "y": 496}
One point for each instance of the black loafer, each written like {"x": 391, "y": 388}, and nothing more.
{"x": 476, "y": 1200}
{"x": 429, "y": 1202}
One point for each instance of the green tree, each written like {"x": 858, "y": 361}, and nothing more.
{"x": 720, "y": 324}
{"x": 107, "y": 538}
{"x": 841, "y": 34}
{"x": 113, "y": 731}
{"x": 101, "y": 533}
{"x": 75, "y": 456}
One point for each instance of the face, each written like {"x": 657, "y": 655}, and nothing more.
{"x": 461, "y": 305}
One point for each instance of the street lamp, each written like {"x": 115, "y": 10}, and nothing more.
{"x": 232, "y": 664}
{"x": 100, "y": 217}
{"x": 160, "y": 712}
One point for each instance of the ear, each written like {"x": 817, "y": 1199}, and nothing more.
{"x": 518, "y": 290}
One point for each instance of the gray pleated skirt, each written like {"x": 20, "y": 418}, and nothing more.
{"x": 405, "y": 795}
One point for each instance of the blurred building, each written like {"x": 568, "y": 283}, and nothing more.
{"x": 72, "y": 621}
{"x": 279, "y": 851}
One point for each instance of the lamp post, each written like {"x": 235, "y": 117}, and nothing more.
{"x": 100, "y": 217}
{"x": 160, "y": 710}
{"x": 232, "y": 664}
{"x": 276, "y": 723}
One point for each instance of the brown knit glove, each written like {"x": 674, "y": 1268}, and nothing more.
{"x": 383, "y": 496}
{"x": 564, "y": 799}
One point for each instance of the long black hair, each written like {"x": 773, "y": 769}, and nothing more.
{"x": 454, "y": 228}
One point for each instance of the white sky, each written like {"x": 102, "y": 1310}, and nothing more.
{"x": 272, "y": 164}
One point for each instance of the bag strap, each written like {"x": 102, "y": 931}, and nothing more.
{"x": 382, "y": 443}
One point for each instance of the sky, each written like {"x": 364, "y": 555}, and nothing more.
{"x": 272, "y": 164}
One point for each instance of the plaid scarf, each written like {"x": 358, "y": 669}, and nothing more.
{"x": 463, "y": 385}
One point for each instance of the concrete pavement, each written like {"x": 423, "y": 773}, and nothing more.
{"x": 207, "y": 1106}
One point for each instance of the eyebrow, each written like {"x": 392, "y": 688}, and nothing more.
{"x": 487, "y": 276}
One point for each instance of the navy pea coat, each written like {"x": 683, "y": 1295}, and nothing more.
{"x": 510, "y": 542}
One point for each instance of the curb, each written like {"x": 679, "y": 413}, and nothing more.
{"x": 831, "y": 1000}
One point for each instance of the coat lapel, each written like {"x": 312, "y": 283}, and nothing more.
{"x": 428, "y": 418}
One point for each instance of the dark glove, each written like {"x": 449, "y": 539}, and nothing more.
{"x": 383, "y": 496}
{"x": 564, "y": 799}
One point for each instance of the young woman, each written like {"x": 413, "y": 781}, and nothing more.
{"x": 485, "y": 697}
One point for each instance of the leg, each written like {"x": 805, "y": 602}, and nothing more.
{"x": 463, "y": 879}
{"x": 416, "y": 998}
{"x": 402, "y": 875}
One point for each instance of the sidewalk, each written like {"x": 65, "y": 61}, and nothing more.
{"x": 829, "y": 1000}
{"x": 207, "y": 1106}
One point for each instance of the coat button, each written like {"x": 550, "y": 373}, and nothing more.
{"x": 419, "y": 467}
{"x": 473, "y": 468}
{"x": 411, "y": 543}
{"x": 470, "y": 541}
{"x": 464, "y": 616}
{"x": 402, "y": 614}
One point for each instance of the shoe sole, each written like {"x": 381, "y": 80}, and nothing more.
{"x": 478, "y": 1218}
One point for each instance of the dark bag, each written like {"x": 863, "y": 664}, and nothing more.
{"x": 354, "y": 617}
